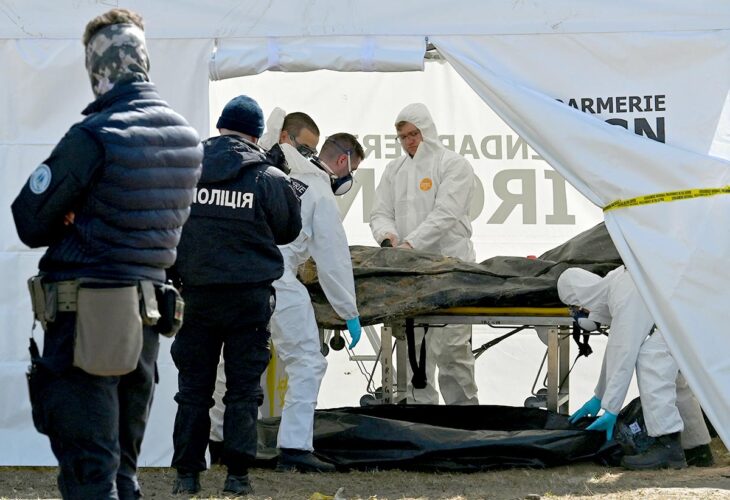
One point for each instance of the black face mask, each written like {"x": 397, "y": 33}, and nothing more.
{"x": 339, "y": 185}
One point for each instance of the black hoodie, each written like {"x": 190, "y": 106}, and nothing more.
{"x": 243, "y": 208}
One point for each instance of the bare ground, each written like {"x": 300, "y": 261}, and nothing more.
{"x": 570, "y": 482}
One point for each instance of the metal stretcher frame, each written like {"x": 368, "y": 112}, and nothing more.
{"x": 554, "y": 322}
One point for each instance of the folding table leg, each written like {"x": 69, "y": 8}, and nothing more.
{"x": 386, "y": 363}
{"x": 401, "y": 356}
{"x": 558, "y": 396}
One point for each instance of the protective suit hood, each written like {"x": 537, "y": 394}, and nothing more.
{"x": 430, "y": 149}
{"x": 425, "y": 199}
{"x": 578, "y": 287}
{"x": 274, "y": 124}
{"x": 296, "y": 163}
{"x": 418, "y": 115}
{"x": 300, "y": 165}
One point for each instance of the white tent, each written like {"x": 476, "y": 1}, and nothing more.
{"x": 561, "y": 73}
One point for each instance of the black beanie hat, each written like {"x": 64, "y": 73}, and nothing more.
{"x": 244, "y": 115}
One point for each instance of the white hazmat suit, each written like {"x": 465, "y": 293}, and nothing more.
{"x": 424, "y": 200}
{"x": 615, "y": 301}
{"x": 294, "y": 330}
{"x": 667, "y": 402}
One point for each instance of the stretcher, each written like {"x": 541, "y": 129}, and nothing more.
{"x": 396, "y": 287}
{"x": 552, "y": 324}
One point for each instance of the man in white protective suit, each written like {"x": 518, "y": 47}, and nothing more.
{"x": 668, "y": 405}
{"x": 294, "y": 330}
{"x": 422, "y": 202}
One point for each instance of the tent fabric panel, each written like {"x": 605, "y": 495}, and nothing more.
{"x": 16, "y": 268}
{"x": 179, "y": 68}
{"x": 284, "y": 18}
{"x": 676, "y": 253}
{"x": 22, "y": 444}
{"x": 248, "y": 56}
{"x": 665, "y": 245}
{"x": 721, "y": 141}
{"x": 49, "y": 88}
{"x": 602, "y": 72}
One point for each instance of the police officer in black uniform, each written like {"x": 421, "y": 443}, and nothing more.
{"x": 227, "y": 261}
{"x": 109, "y": 202}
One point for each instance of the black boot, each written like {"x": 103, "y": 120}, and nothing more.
{"x": 292, "y": 459}
{"x": 238, "y": 484}
{"x": 665, "y": 452}
{"x": 700, "y": 456}
{"x": 186, "y": 482}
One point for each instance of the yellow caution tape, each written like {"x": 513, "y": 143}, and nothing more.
{"x": 648, "y": 199}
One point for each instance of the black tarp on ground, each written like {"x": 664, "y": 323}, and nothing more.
{"x": 445, "y": 438}
{"x": 393, "y": 283}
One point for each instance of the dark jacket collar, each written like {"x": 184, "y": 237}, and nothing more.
{"x": 122, "y": 91}
{"x": 226, "y": 155}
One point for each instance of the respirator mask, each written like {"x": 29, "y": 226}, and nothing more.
{"x": 580, "y": 318}
{"x": 339, "y": 185}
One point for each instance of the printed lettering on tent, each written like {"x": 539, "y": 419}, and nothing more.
{"x": 521, "y": 207}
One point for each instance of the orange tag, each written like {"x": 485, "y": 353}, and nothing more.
{"x": 426, "y": 184}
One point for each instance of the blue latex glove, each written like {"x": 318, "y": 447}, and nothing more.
{"x": 605, "y": 422}
{"x": 353, "y": 326}
{"x": 590, "y": 409}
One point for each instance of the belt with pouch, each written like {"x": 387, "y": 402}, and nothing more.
{"x": 62, "y": 296}
{"x": 66, "y": 292}
{"x": 160, "y": 305}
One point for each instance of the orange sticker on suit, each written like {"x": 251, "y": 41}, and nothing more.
{"x": 426, "y": 184}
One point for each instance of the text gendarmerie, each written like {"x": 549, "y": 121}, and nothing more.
{"x": 618, "y": 104}
{"x": 652, "y": 125}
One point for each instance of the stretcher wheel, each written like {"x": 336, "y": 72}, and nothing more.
{"x": 531, "y": 402}
{"x": 536, "y": 402}
{"x": 368, "y": 400}
{"x": 337, "y": 343}
{"x": 325, "y": 349}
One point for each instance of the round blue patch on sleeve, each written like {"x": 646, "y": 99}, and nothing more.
{"x": 40, "y": 179}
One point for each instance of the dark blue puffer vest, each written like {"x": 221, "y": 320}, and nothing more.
{"x": 130, "y": 222}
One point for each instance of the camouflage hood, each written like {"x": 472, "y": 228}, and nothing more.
{"x": 116, "y": 53}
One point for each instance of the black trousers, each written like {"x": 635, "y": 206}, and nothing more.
{"x": 234, "y": 319}
{"x": 95, "y": 424}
